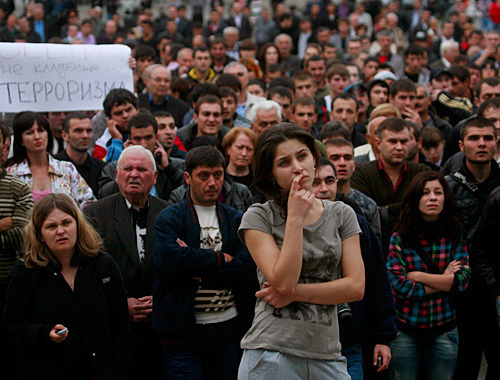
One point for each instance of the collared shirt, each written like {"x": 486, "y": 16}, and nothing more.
{"x": 39, "y": 27}
{"x": 404, "y": 169}
{"x": 157, "y": 107}
{"x": 139, "y": 220}
{"x": 64, "y": 178}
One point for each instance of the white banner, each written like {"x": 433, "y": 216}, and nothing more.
{"x": 54, "y": 77}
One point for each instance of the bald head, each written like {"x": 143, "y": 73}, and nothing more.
{"x": 372, "y": 133}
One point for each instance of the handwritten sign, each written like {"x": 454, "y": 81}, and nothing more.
{"x": 54, "y": 77}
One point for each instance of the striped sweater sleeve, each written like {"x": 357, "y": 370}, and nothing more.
{"x": 19, "y": 192}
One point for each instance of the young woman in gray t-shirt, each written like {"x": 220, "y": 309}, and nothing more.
{"x": 299, "y": 244}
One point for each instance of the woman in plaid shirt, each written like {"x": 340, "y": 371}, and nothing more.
{"x": 428, "y": 264}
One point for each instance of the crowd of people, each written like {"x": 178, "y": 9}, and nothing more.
{"x": 286, "y": 194}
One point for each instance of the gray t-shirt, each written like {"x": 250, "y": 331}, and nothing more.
{"x": 304, "y": 330}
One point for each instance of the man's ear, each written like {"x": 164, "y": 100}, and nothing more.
{"x": 187, "y": 178}
{"x": 461, "y": 145}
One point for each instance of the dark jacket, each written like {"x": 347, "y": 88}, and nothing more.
{"x": 374, "y": 318}
{"x": 470, "y": 196}
{"x": 111, "y": 218}
{"x": 246, "y": 27}
{"x": 235, "y": 195}
{"x": 96, "y": 315}
{"x": 485, "y": 257}
{"x": 187, "y": 134}
{"x": 175, "y": 267}
{"x": 168, "y": 179}
{"x": 371, "y": 181}
{"x": 176, "y": 107}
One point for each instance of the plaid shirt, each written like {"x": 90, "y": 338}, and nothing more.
{"x": 414, "y": 307}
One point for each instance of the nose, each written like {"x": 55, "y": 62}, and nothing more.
{"x": 399, "y": 146}
{"x": 297, "y": 168}
{"x": 60, "y": 229}
{"x": 211, "y": 181}
{"x": 323, "y": 188}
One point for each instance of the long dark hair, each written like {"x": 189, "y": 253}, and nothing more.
{"x": 411, "y": 218}
{"x": 21, "y": 123}
{"x": 263, "y": 158}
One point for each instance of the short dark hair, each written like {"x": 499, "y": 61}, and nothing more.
{"x": 339, "y": 142}
{"x": 200, "y": 48}
{"x": 493, "y": 82}
{"x": 314, "y": 58}
{"x": 211, "y": 99}
{"x": 371, "y": 58}
{"x": 477, "y": 122}
{"x": 71, "y": 116}
{"x": 143, "y": 119}
{"x": 335, "y": 128}
{"x": 303, "y": 101}
{"x": 218, "y": 41}
{"x": 405, "y": 84}
{"x": 203, "y": 89}
{"x": 414, "y": 49}
{"x": 488, "y": 103}
{"x": 326, "y": 162}
{"x": 258, "y": 82}
{"x": 281, "y": 91}
{"x": 228, "y": 92}
{"x": 283, "y": 81}
{"x": 204, "y": 156}
{"x": 144, "y": 51}
{"x": 394, "y": 124}
{"x": 117, "y": 97}
{"x": 162, "y": 114}
{"x": 345, "y": 96}
{"x": 228, "y": 80}
{"x": 460, "y": 71}
{"x": 275, "y": 67}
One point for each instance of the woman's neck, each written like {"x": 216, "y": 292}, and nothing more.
{"x": 38, "y": 159}
{"x": 65, "y": 260}
{"x": 237, "y": 171}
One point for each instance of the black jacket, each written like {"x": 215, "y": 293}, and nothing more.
{"x": 174, "y": 106}
{"x": 485, "y": 257}
{"x": 470, "y": 196}
{"x": 95, "y": 313}
{"x": 235, "y": 195}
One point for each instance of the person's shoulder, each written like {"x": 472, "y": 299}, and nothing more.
{"x": 178, "y": 102}
{"x": 367, "y": 166}
{"x": 13, "y": 179}
{"x": 262, "y": 208}
{"x": 416, "y": 167}
{"x": 157, "y": 203}
{"x": 99, "y": 163}
{"x": 104, "y": 206}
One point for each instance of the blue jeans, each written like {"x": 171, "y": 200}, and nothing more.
{"x": 434, "y": 356}
{"x": 211, "y": 354}
{"x": 354, "y": 356}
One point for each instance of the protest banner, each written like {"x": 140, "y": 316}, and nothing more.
{"x": 55, "y": 77}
